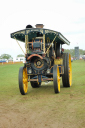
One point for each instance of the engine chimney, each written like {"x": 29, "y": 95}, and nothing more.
{"x": 39, "y": 25}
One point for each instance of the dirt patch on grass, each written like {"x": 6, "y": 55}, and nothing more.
{"x": 39, "y": 109}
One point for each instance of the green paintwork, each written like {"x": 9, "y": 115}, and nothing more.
{"x": 34, "y": 32}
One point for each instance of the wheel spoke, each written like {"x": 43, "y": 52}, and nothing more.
{"x": 25, "y": 81}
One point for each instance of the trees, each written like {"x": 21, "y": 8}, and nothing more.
{"x": 72, "y": 52}
{"x": 20, "y": 55}
{"x": 5, "y": 56}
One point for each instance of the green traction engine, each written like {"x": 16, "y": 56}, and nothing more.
{"x": 45, "y": 58}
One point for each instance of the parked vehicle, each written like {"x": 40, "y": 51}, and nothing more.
{"x": 45, "y": 59}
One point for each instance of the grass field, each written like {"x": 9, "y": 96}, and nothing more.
{"x": 41, "y": 107}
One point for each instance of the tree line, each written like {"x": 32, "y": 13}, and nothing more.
{"x": 7, "y": 56}
{"x": 72, "y": 52}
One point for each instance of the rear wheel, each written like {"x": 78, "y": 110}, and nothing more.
{"x": 67, "y": 76}
{"x": 56, "y": 79}
{"x": 23, "y": 80}
{"x": 35, "y": 84}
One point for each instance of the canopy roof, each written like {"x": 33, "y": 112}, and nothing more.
{"x": 36, "y": 32}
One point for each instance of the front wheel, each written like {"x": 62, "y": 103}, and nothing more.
{"x": 56, "y": 79}
{"x": 23, "y": 80}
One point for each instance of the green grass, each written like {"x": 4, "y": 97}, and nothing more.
{"x": 67, "y": 106}
{"x": 9, "y": 80}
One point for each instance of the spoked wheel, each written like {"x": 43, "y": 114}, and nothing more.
{"x": 23, "y": 80}
{"x": 67, "y": 76}
{"x": 56, "y": 79}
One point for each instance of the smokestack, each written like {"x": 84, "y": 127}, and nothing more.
{"x": 39, "y": 25}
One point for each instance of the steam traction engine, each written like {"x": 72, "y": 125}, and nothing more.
{"x": 45, "y": 60}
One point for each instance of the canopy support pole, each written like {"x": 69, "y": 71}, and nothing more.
{"x": 51, "y": 44}
{"x": 19, "y": 45}
{"x": 44, "y": 43}
{"x": 26, "y": 42}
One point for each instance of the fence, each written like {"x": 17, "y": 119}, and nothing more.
{"x": 4, "y": 63}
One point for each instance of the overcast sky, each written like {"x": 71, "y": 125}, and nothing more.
{"x": 65, "y": 16}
